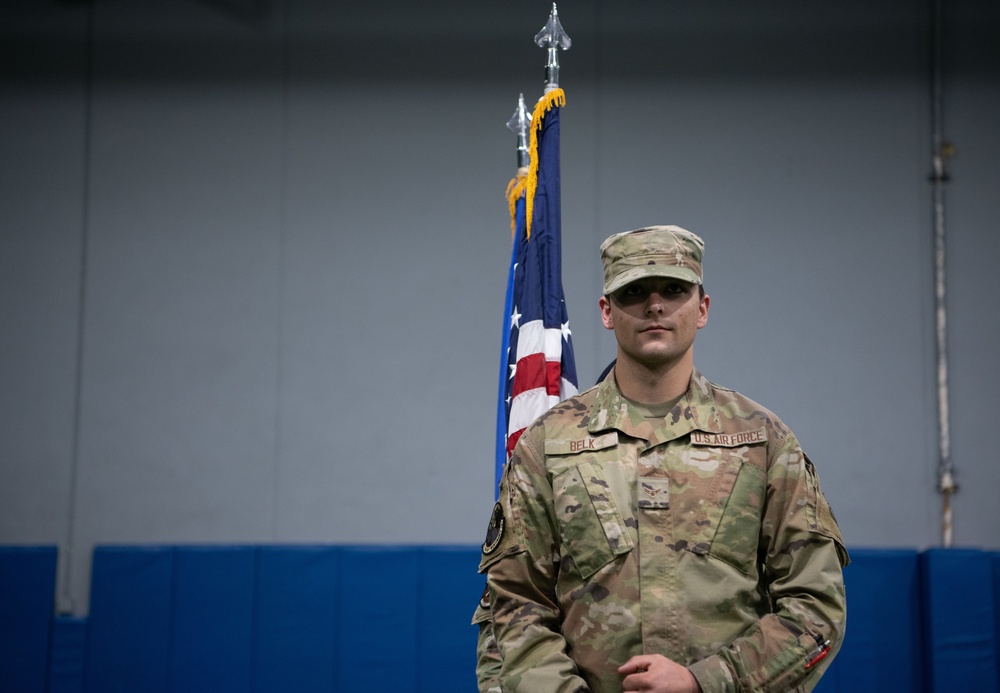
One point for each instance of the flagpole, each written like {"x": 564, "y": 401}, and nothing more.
{"x": 519, "y": 124}
{"x": 553, "y": 37}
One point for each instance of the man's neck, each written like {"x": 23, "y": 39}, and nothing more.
{"x": 652, "y": 386}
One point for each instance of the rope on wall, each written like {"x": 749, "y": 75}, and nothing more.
{"x": 942, "y": 152}
{"x": 64, "y": 590}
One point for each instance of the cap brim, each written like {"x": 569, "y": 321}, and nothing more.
{"x": 666, "y": 271}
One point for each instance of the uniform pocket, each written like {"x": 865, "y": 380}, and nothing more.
{"x": 590, "y": 526}
{"x": 737, "y": 537}
{"x": 717, "y": 503}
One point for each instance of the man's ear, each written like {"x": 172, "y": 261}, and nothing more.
{"x": 606, "y": 318}
{"x": 703, "y": 311}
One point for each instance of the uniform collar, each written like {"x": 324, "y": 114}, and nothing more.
{"x": 694, "y": 412}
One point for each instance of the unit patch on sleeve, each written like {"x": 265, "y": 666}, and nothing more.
{"x": 494, "y": 533}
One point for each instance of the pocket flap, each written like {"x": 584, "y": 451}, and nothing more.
{"x": 590, "y": 526}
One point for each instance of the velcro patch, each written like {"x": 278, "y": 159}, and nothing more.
{"x": 729, "y": 440}
{"x": 653, "y": 493}
{"x": 575, "y": 446}
{"x": 494, "y": 533}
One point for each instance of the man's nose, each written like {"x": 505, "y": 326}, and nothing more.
{"x": 654, "y": 302}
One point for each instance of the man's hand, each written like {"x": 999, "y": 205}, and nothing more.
{"x": 657, "y": 674}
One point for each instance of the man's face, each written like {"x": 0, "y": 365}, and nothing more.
{"x": 655, "y": 320}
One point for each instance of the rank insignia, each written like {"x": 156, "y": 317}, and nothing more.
{"x": 654, "y": 493}
{"x": 494, "y": 533}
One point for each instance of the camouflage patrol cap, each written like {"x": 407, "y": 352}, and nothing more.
{"x": 652, "y": 251}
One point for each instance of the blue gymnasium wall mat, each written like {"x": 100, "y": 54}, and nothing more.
{"x": 882, "y": 646}
{"x": 260, "y": 619}
{"x": 27, "y": 594}
{"x": 960, "y": 612}
{"x": 128, "y": 629}
{"x": 296, "y": 622}
{"x": 279, "y": 618}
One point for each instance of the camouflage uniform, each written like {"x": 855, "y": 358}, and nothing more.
{"x": 702, "y": 536}
{"x": 487, "y": 652}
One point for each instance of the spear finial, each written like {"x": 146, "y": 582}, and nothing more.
{"x": 519, "y": 124}
{"x": 553, "y": 37}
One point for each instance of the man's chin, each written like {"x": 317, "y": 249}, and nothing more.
{"x": 657, "y": 362}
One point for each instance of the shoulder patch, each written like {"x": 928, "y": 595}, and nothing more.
{"x": 494, "y": 532}
{"x": 729, "y": 440}
{"x": 575, "y": 446}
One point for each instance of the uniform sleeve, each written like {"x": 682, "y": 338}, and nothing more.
{"x": 790, "y": 647}
{"x": 487, "y": 652}
{"x": 521, "y": 565}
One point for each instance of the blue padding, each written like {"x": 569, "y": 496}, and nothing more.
{"x": 211, "y": 640}
{"x": 27, "y": 594}
{"x": 344, "y": 619}
{"x": 995, "y": 560}
{"x": 296, "y": 619}
{"x": 449, "y": 589}
{"x": 882, "y": 647}
{"x": 128, "y": 629}
{"x": 377, "y": 626}
{"x": 961, "y": 618}
{"x": 69, "y": 635}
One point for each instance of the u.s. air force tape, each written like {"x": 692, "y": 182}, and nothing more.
{"x": 494, "y": 533}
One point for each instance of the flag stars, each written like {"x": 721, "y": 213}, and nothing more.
{"x": 566, "y": 333}
{"x": 515, "y": 319}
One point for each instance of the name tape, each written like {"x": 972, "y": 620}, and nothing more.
{"x": 729, "y": 440}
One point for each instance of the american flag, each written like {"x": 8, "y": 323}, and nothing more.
{"x": 537, "y": 365}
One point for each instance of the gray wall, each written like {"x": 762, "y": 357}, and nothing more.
{"x": 253, "y": 254}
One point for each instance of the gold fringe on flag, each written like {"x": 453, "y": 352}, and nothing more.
{"x": 515, "y": 189}
{"x": 556, "y": 97}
